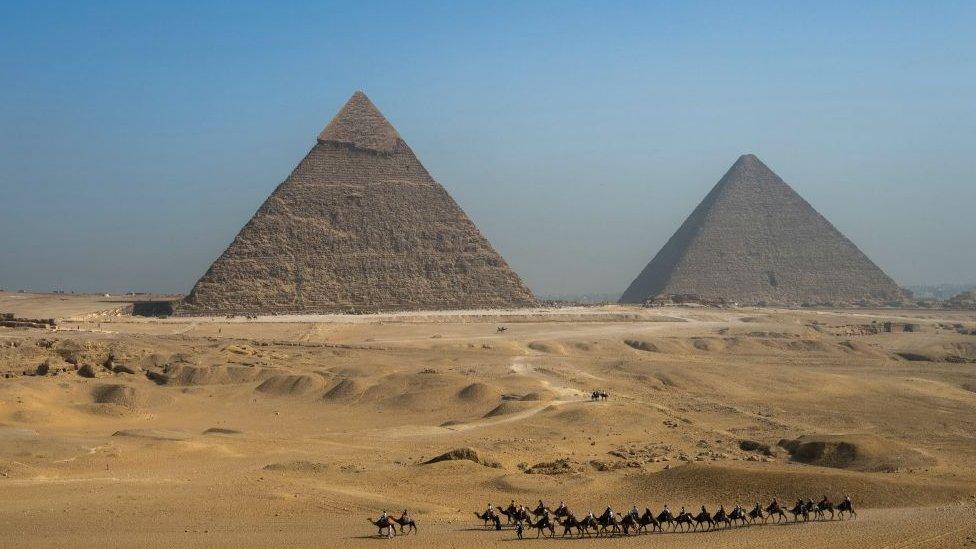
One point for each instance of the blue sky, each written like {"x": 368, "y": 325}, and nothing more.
{"x": 136, "y": 140}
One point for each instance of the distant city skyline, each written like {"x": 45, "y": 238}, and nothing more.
{"x": 136, "y": 140}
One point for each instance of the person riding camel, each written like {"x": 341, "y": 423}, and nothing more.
{"x": 634, "y": 512}
{"x": 384, "y": 517}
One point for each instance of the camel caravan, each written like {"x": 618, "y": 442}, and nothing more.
{"x": 546, "y": 522}
{"x": 610, "y": 523}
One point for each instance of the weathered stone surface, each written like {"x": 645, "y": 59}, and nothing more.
{"x": 359, "y": 225}
{"x": 754, "y": 240}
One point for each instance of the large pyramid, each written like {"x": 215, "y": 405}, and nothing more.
{"x": 359, "y": 225}
{"x": 754, "y": 240}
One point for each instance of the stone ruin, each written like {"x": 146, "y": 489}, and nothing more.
{"x": 753, "y": 240}
{"x": 358, "y": 226}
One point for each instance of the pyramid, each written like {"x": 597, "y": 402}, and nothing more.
{"x": 754, "y": 240}
{"x": 359, "y": 225}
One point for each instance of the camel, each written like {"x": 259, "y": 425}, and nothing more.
{"x": 543, "y": 524}
{"x": 738, "y": 515}
{"x": 589, "y": 523}
{"x": 666, "y": 517}
{"x": 406, "y": 522}
{"x": 608, "y": 520}
{"x": 628, "y": 522}
{"x": 721, "y": 517}
{"x": 825, "y": 506}
{"x": 599, "y": 395}
{"x": 568, "y": 524}
{"x": 540, "y": 509}
{"x": 384, "y": 523}
{"x": 581, "y": 526}
{"x": 800, "y": 510}
{"x": 846, "y": 506}
{"x": 757, "y": 513}
{"x": 775, "y": 509}
{"x": 490, "y": 517}
{"x": 684, "y": 518}
{"x": 647, "y": 519}
{"x": 704, "y": 517}
{"x": 511, "y": 513}
{"x": 562, "y": 511}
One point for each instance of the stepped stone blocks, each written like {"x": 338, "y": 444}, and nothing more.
{"x": 754, "y": 240}
{"x": 358, "y": 226}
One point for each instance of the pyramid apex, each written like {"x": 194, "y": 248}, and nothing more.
{"x": 361, "y": 124}
{"x": 748, "y": 159}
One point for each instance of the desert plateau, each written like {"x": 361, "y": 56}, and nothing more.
{"x": 291, "y": 430}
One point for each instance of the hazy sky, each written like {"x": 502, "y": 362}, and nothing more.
{"x": 135, "y": 141}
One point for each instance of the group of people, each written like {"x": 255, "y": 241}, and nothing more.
{"x": 611, "y": 522}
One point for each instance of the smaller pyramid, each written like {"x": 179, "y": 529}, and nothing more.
{"x": 754, "y": 240}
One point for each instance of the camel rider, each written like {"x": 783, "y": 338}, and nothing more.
{"x": 666, "y": 510}
{"x": 704, "y": 512}
{"x": 384, "y": 518}
{"x": 404, "y": 515}
{"x": 589, "y": 516}
{"x": 609, "y": 512}
{"x": 634, "y": 512}
{"x": 683, "y": 512}
{"x": 847, "y": 500}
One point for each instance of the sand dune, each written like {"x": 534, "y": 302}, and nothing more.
{"x": 216, "y": 432}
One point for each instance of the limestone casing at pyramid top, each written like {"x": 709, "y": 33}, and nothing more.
{"x": 360, "y": 123}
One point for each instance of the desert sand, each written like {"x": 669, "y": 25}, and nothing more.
{"x": 291, "y": 431}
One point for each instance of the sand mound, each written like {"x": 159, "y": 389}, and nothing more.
{"x": 709, "y": 344}
{"x": 971, "y": 387}
{"x": 509, "y": 407}
{"x": 185, "y": 374}
{"x": 641, "y": 345}
{"x": 118, "y": 394}
{"x": 152, "y": 434}
{"x": 463, "y": 454}
{"x": 547, "y": 347}
{"x": 542, "y": 395}
{"x": 291, "y": 384}
{"x": 955, "y": 352}
{"x": 479, "y": 393}
{"x": 298, "y": 466}
{"x": 854, "y": 452}
{"x": 221, "y": 431}
{"x": 345, "y": 391}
